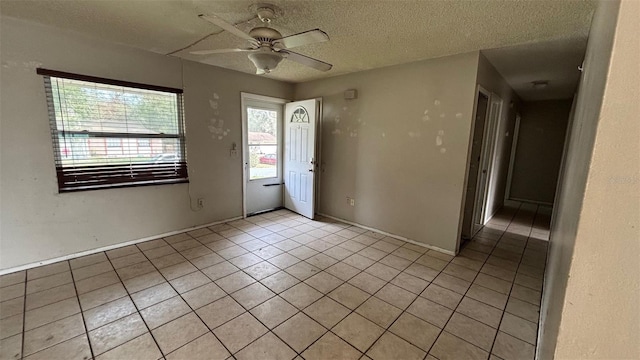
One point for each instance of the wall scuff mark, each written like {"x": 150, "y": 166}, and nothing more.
{"x": 216, "y": 126}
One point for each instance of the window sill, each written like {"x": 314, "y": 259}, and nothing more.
{"x": 123, "y": 185}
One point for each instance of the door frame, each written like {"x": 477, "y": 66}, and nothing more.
{"x": 479, "y": 89}
{"x": 512, "y": 157}
{"x": 487, "y": 159}
{"x": 318, "y": 165}
{"x": 244, "y": 98}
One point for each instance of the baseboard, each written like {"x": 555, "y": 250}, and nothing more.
{"x": 492, "y": 215}
{"x": 430, "y": 247}
{"x": 532, "y": 201}
{"x": 110, "y": 247}
{"x": 264, "y": 211}
{"x": 512, "y": 203}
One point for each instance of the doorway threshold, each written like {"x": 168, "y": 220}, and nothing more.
{"x": 265, "y": 211}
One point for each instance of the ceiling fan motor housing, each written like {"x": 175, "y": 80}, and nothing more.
{"x": 265, "y": 34}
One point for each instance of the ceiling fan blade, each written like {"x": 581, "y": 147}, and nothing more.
{"x": 305, "y": 60}
{"x": 214, "y": 19}
{"x": 260, "y": 72}
{"x": 220, "y": 51}
{"x": 303, "y": 38}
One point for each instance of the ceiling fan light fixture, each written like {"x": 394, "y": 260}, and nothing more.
{"x": 267, "y": 47}
{"x": 266, "y": 61}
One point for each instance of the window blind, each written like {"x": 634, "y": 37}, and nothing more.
{"x": 108, "y": 133}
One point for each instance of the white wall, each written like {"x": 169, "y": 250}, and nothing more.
{"x": 591, "y": 299}
{"x": 490, "y": 79}
{"x": 400, "y": 149}
{"x": 539, "y": 151}
{"x": 36, "y": 222}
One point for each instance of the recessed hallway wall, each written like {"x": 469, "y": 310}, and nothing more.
{"x": 541, "y": 138}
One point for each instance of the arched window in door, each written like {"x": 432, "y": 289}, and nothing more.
{"x": 300, "y": 115}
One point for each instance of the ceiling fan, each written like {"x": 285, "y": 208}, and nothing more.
{"x": 267, "y": 47}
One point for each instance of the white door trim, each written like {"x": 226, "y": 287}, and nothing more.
{"x": 244, "y": 97}
{"x": 486, "y": 131}
{"x": 318, "y": 164}
{"x": 512, "y": 157}
{"x": 496, "y": 121}
{"x": 486, "y": 160}
{"x": 487, "y": 93}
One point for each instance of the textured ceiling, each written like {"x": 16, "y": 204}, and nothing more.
{"x": 554, "y": 61}
{"x": 364, "y": 34}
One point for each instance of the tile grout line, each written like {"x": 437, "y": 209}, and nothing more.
{"x": 545, "y": 269}
{"x": 230, "y": 296}
{"x": 513, "y": 283}
{"x": 546, "y": 260}
{"x": 24, "y": 315}
{"x": 278, "y": 294}
{"x": 465, "y": 294}
{"x": 303, "y": 281}
{"x": 55, "y": 287}
{"x": 334, "y": 231}
{"x": 373, "y": 295}
{"x": 84, "y": 321}
{"x": 370, "y": 295}
{"x": 408, "y": 306}
{"x": 227, "y": 294}
{"x": 113, "y": 269}
{"x": 134, "y": 305}
{"x": 361, "y": 271}
{"x": 24, "y": 331}
{"x": 178, "y": 294}
{"x": 247, "y": 311}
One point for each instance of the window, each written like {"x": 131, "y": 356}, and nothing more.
{"x": 300, "y": 115}
{"x": 263, "y": 143}
{"x": 109, "y": 133}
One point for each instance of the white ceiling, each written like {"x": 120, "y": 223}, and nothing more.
{"x": 554, "y": 61}
{"x": 364, "y": 34}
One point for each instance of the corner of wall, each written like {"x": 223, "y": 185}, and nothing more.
{"x": 572, "y": 184}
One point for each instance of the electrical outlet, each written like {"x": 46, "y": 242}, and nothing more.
{"x": 348, "y": 200}
{"x": 352, "y": 202}
{"x": 233, "y": 153}
{"x": 201, "y": 202}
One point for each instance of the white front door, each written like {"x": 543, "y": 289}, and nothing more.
{"x": 300, "y": 156}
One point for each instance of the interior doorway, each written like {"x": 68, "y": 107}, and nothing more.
{"x": 487, "y": 114}
{"x": 480, "y": 117}
{"x": 262, "y": 135}
{"x": 486, "y": 177}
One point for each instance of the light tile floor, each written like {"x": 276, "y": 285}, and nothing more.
{"x": 279, "y": 286}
